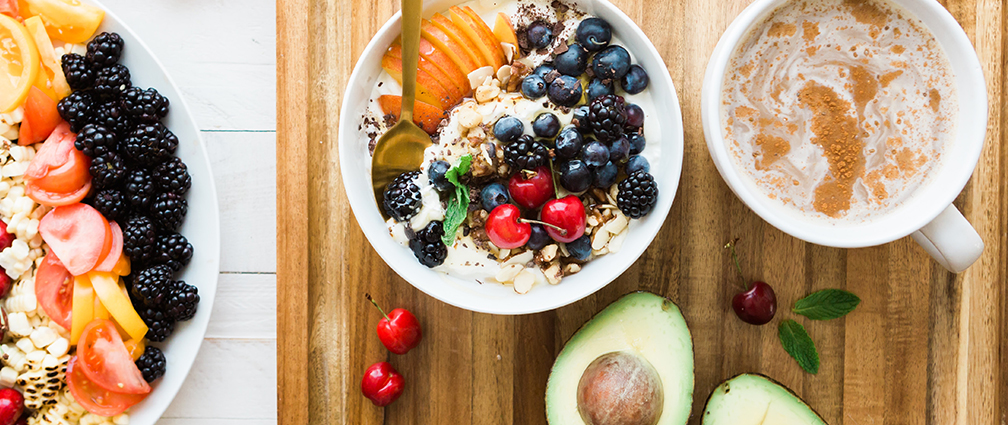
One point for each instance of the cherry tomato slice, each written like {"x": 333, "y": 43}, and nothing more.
{"x": 105, "y": 360}
{"x": 94, "y": 398}
{"x": 54, "y": 290}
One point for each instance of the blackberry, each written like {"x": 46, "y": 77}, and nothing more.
{"x": 138, "y": 239}
{"x": 104, "y": 50}
{"x": 171, "y": 176}
{"x": 151, "y": 363}
{"x": 159, "y": 325}
{"x": 402, "y": 197}
{"x": 78, "y": 72}
{"x": 111, "y": 204}
{"x": 111, "y": 115}
{"x": 168, "y": 210}
{"x": 637, "y": 194}
{"x": 526, "y": 154}
{"x": 139, "y": 188}
{"x": 172, "y": 250}
{"x": 150, "y": 144}
{"x": 95, "y": 140}
{"x": 144, "y": 105}
{"x": 152, "y": 286}
{"x": 181, "y": 304}
{"x": 607, "y": 117}
{"x": 427, "y": 245}
{"x": 110, "y": 82}
{"x": 107, "y": 171}
{"x": 75, "y": 109}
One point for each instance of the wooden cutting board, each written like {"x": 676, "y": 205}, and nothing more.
{"x": 925, "y": 346}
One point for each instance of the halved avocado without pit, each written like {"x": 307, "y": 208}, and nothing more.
{"x": 751, "y": 399}
{"x": 631, "y": 364}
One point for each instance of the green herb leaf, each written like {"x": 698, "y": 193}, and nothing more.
{"x": 459, "y": 203}
{"x": 798, "y": 344}
{"x": 827, "y": 304}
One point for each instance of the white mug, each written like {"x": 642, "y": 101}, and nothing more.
{"x": 928, "y": 214}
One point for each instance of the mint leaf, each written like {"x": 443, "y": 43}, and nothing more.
{"x": 459, "y": 203}
{"x": 827, "y": 304}
{"x": 798, "y": 344}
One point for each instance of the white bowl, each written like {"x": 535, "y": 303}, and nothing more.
{"x": 490, "y": 297}
{"x": 201, "y": 226}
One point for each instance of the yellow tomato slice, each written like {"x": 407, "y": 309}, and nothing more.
{"x": 67, "y": 20}
{"x": 122, "y": 267}
{"x": 83, "y": 307}
{"x": 19, "y": 63}
{"x": 51, "y": 80}
{"x": 106, "y": 286}
{"x": 135, "y": 347}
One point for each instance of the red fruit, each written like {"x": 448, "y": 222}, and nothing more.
{"x": 11, "y": 405}
{"x": 531, "y": 189}
{"x": 399, "y": 330}
{"x": 382, "y": 384}
{"x": 756, "y": 306}
{"x": 6, "y": 239}
{"x": 505, "y": 229}
{"x": 568, "y": 214}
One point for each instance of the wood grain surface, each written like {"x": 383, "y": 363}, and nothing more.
{"x": 925, "y": 346}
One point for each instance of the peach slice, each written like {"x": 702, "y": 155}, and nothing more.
{"x": 428, "y": 88}
{"x": 456, "y": 34}
{"x": 481, "y": 35}
{"x": 448, "y": 46}
{"x": 504, "y": 30}
{"x": 446, "y": 65}
{"x": 455, "y": 93}
{"x": 427, "y": 116}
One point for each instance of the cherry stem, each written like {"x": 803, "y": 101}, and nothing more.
{"x": 556, "y": 191}
{"x": 738, "y": 267}
{"x": 563, "y": 232}
{"x": 368, "y": 296}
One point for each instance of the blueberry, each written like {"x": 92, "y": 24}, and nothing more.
{"x": 598, "y": 88}
{"x": 539, "y": 238}
{"x": 637, "y": 163}
{"x": 605, "y": 175}
{"x": 574, "y": 176}
{"x": 436, "y": 173}
{"x": 539, "y": 34}
{"x": 573, "y": 62}
{"x": 542, "y": 71}
{"x": 595, "y": 154}
{"x": 637, "y": 143}
{"x": 635, "y": 80}
{"x": 619, "y": 150}
{"x": 568, "y": 143}
{"x": 533, "y": 87}
{"x": 594, "y": 34}
{"x": 634, "y": 115}
{"x": 611, "y": 63}
{"x": 508, "y": 129}
{"x": 580, "y": 118}
{"x": 546, "y": 125}
{"x": 493, "y": 196}
{"x": 565, "y": 91}
{"x": 580, "y": 249}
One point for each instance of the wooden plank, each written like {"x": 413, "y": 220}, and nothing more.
{"x": 245, "y": 307}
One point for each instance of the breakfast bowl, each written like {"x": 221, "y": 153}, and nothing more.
{"x": 665, "y": 165}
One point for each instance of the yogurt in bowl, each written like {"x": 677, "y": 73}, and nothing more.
{"x": 554, "y": 148}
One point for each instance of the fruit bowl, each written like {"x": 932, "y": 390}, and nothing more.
{"x": 201, "y": 227}
{"x": 491, "y": 297}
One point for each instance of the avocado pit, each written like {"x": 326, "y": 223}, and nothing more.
{"x": 620, "y": 388}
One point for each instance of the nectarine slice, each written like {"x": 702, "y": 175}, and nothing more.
{"x": 456, "y": 34}
{"x": 428, "y": 88}
{"x": 446, "y": 65}
{"x": 455, "y": 92}
{"x": 481, "y": 35}
{"x": 425, "y": 115}
{"x": 504, "y": 30}
{"x": 445, "y": 44}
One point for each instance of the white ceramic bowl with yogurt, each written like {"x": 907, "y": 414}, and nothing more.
{"x": 664, "y": 152}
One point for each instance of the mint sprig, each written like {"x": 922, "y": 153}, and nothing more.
{"x": 459, "y": 202}
{"x": 799, "y": 345}
{"x": 827, "y": 304}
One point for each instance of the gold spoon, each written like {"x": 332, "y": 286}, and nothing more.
{"x": 401, "y": 148}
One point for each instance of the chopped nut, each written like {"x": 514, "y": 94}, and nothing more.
{"x": 571, "y": 269}
{"x": 503, "y": 254}
{"x": 478, "y": 132}
{"x": 469, "y": 118}
{"x": 549, "y": 252}
{"x": 600, "y": 239}
{"x": 479, "y": 75}
{"x": 600, "y": 252}
{"x": 553, "y": 273}
{"x": 617, "y": 224}
{"x": 504, "y": 73}
{"x": 508, "y": 272}
{"x": 616, "y": 243}
{"x": 524, "y": 281}
{"x": 487, "y": 93}
{"x": 522, "y": 258}
{"x": 592, "y": 221}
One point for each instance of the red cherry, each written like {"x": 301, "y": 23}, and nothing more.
{"x": 505, "y": 229}
{"x": 531, "y": 189}
{"x": 756, "y": 306}
{"x": 399, "y": 330}
{"x": 382, "y": 384}
{"x": 568, "y": 214}
{"x": 11, "y": 406}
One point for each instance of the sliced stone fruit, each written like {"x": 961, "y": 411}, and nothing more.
{"x": 428, "y": 89}
{"x": 446, "y": 25}
{"x": 447, "y": 45}
{"x": 751, "y": 399}
{"x": 425, "y": 115}
{"x": 480, "y": 34}
{"x": 455, "y": 92}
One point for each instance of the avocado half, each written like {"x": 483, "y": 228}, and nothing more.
{"x": 751, "y": 399}
{"x": 638, "y": 345}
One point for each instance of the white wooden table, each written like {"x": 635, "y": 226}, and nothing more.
{"x": 222, "y": 54}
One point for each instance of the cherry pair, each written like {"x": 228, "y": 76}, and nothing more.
{"x": 399, "y": 331}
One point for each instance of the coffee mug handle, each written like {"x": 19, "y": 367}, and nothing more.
{"x": 951, "y": 240}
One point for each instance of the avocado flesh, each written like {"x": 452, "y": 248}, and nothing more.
{"x": 640, "y": 323}
{"x": 757, "y": 400}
